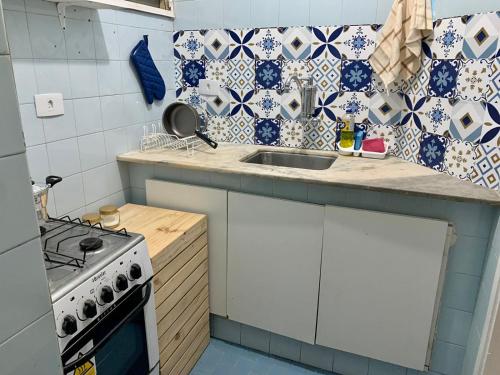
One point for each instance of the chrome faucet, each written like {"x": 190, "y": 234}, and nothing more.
{"x": 307, "y": 97}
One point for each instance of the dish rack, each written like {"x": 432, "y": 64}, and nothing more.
{"x": 156, "y": 139}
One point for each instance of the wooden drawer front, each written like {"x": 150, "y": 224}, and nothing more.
{"x": 182, "y": 307}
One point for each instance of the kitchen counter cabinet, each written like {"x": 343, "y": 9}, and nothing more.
{"x": 274, "y": 259}
{"x": 178, "y": 247}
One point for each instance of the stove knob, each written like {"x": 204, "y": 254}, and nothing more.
{"x": 89, "y": 309}
{"x": 121, "y": 282}
{"x": 107, "y": 294}
{"x": 69, "y": 325}
{"x": 135, "y": 271}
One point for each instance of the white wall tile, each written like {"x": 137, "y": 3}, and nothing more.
{"x": 134, "y": 108}
{"x": 128, "y": 37}
{"x": 83, "y": 78}
{"x": 14, "y": 5}
{"x": 92, "y": 150}
{"x": 166, "y": 69}
{"x": 154, "y": 112}
{"x": 116, "y": 143}
{"x": 106, "y": 41}
{"x": 109, "y": 77}
{"x": 79, "y": 38}
{"x": 134, "y": 135}
{"x": 105, "y": 15}
{"x": 383, "y": 9}
{"x": 237, "y": 14}
{"x": 211, "y": 13}
{"x": 129, "y": 78}
{"x": 294, "y": 13}
{"x": 68, "y": 194}
{"x": 47, "y": 38}
{"x": 79, "y": 13}
{"x": 88, "y": 115}
{"x": 112, "y": 111}
{"x": 60, "y": 127}
{"x": 325, "y": 12}
{"x": 160, "y": 45}
{"x": 64, "y": 158}
{"x": 354, "y": 14}
{"x": 52, "y": 76}
{"x": 4, "y": 47}
{"x": 103, "y": 181}
{"x": 24, "y": 74}
{"x": 38, "y": 162}
{"x": 11, "y": 137}
{"x": 17, "y": 32}
{"x": 32, "y": 125}
{"x": 186, "y": 16}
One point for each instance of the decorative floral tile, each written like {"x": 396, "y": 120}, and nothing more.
{"x": 408, "y": 142}
{"x": 216, "y": 44}
{"x": 191, "y": 96}
{"x": 411, "y": 111}
{"x": 473, "y": 78}
{"x": 459, "y": 159}
{"x": 357, "y": 42}
{"x": 490, "y": 132}
{"x": 443, "y": 78}
{"x": 467, "y": 120}
{"x": 268, "y": 43}
{"x": 356, "y": 75}
{"x": 192, "y": 72}
{"x": 325, "y": 42}
{"x": 493, "y": 89}
{"x": 435, "y": 115}
{"x": 292, "y": 133}
{"x": 267, "y": 103}
{"x": 189, "y": 44}
{"x": 291, "y": 105}
{"x": 481, "y": 36}
{"x": 242, "y": 102}
{"x": 417, "y": 85}
{"x": 326, "y": 106}
{"x": 448, "y": 38}
{"x": 218, "y": 105}
{"x": 217, "y": 70}
{"x": 357, "y": 102}
{"x": 326, "y": 73}
{"x": 268, "y": 74}
{"x": 486, "y": 168}
{"x": 241, "y": 129}
{"x": 432, "y": 150}
{"x": 300, "y": 68}
{"x": 297, "y": 43}
{"x": 387, "y": 132}
{"x": 241, "y": 74}
{"x": 385, "y": 109}
{"x": 241, "y": 43}
{"x": 178, "y": 76}
{"x": 322, "y": 136}
{"x": 267, "y": 132}
{"x": 218, "y": 126}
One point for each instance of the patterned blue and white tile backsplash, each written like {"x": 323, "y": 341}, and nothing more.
{"x": 446, "y": 117}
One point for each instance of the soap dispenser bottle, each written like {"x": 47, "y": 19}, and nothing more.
{"x": 347, "y": 132}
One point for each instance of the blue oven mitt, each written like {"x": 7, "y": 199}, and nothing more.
{"x": 151, "y": 80}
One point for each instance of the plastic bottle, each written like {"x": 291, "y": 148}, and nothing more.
{"x": 347, "y": 132}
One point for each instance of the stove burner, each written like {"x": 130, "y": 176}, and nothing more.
{"x": 43, "y": 230}
{"x": 90, "y": 244}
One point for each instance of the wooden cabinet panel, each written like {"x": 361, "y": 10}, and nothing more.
{"x": 213, "y": 203}
{"x": 380, "y": 275}
{"x": 274, "y": 256}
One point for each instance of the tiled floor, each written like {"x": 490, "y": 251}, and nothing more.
{"x": 221, "y": 358}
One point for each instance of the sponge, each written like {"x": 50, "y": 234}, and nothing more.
{"x": 374, "y": 145}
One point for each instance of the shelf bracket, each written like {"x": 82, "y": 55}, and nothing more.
{"x": 61, "y": 12}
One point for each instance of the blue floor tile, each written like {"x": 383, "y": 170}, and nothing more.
{"x": 222, "y": 358}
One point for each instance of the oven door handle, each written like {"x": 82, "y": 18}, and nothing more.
{"x": 91, "y": 353}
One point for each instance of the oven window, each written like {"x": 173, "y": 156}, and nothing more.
{"x": 126, "y": 353}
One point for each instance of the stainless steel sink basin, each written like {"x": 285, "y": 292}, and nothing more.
{"x": 290, "y": 159}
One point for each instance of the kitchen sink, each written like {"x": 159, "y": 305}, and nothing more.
{"x": 290, "y": 159}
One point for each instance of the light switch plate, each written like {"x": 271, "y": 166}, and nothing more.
{"x": 48, "y": 105}
{"x": 208, "y": 87}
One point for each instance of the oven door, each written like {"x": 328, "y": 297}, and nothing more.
{"x": 123, "y": 341}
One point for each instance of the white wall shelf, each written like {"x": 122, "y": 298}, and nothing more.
{"x": 110, "y": 4}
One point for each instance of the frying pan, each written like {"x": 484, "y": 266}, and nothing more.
{"x": 183, "y": 120}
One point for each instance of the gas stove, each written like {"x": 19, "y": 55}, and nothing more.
{"x": 98, "y": 280}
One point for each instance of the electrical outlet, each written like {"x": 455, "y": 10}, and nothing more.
{"x": 208, "y": 87}
{"x": 48, "y": 105}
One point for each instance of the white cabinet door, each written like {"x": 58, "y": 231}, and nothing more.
{"x": 274, "y": 258}
{"x": 379, "y": 282}
{"x": 209, "y": 201}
